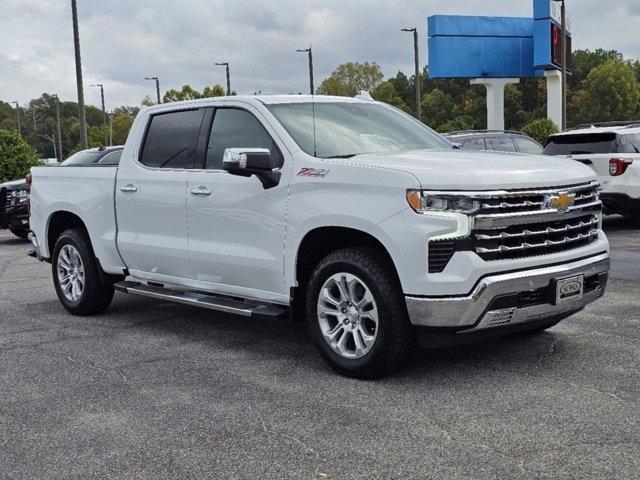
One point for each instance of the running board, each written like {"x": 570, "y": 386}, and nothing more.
{"x": 212, "y": 302}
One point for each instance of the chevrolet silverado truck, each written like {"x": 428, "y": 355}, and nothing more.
{"x": 612, "y": 150}
{"x": 346, "y": 213}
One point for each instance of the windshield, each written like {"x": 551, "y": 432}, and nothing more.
{"x": 346, "y": 129}
{"x": 85, "y": 157}
{"x": 580, "y": 144}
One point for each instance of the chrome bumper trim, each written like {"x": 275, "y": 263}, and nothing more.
{"x": 471, "y": 311}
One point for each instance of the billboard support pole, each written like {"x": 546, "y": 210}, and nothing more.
{"x": 495, "y": 99}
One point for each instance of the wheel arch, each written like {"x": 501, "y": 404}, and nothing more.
{"x": 320, "y": 242}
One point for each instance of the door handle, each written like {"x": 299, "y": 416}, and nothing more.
{"x": 201, "y": 191}
{"x": 129, "y": 188}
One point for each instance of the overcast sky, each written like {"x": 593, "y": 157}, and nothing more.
{"x": 178, "y": 40}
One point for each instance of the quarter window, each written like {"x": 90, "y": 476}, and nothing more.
{"x": 171, "y": 139}
{"x": 235, "y": 128}
{"x": 112, "y": 158}
{"x": 527, "y": 146}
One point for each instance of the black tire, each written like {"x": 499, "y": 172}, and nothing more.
{"x": 96, "y": 296}
{"x": 395, "y": 335}
{"x": 23, "y": 234}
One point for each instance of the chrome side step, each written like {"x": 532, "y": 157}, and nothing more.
{"x": 210, "y": 301}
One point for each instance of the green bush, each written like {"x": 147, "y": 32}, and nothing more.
{"x": 16, "y": 156}
{"x": 540, "y": 129}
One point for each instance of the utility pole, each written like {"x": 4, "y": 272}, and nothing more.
{"x": 309, "y": 51}
{"x": 157, "y": 87}
{"x": 226, "y": 64}
{"x": 104, "y": 113}
{"x": 110, "y": 130}
{"x": 59, "y": 128}
{"x": 35, "y": 124}
{"x": 76, "y": 44}
{"x": 18, "y": 118}
{"x": 417, "y": 68}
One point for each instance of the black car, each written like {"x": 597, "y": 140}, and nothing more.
{"x": 14, "y": 196}
{"x": 499, "y": 140}
{"x": 14, "y": 210}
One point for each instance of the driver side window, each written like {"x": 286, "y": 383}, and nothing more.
{"x": 236, "y": 128}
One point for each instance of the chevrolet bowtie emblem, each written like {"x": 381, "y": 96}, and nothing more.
{"x": 562, "y": 201}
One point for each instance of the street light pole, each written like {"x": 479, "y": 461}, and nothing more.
{"x": 157, "y": 87}
{"x": 59, "y": 128}
{"x": 18, "y": 118}
{"x": 309, "y": 51}
{"x": 226, "y": 65}
{"x": 104, "y": 113}
{"x": 417, "y": 70}
{"x": 76, "y": 44}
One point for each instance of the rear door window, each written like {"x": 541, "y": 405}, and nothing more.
{"x": 112, "y": 158}
{"x": 171, "y": 139}
{"x": 474, "y": 144}
{"x": 581, "y": 144}
{"x": 502, "y": 144}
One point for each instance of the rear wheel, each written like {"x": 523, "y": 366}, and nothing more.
{"x": 20, "y": 233}
{"x": 356, "y": 313}
{"x": 76, "y": 275}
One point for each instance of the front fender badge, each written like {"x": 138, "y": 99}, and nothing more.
{"x": 313, "y": 172}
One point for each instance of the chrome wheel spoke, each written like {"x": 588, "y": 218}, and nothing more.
{"x": 70, "y": 273}
{"x": 347, "y": 315}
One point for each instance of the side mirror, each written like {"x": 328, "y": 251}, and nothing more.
{"x": 246, "y": 162}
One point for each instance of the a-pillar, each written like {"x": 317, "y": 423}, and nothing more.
{"x": 554, "y": 96}
{"x": 495, "y": 99}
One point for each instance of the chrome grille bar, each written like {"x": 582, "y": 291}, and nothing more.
{"x": 547, "y": 243}
{"x": 527, "y": 233}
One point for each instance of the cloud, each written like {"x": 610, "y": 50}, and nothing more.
{"x": 123, "y": 41}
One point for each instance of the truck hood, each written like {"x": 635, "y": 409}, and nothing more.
{"x": 13, "y": 185}
{"x": 481, "y": 170}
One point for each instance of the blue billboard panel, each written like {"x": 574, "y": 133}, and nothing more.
{"x": 475, "y": 47}
{"x": 547, "y": 36}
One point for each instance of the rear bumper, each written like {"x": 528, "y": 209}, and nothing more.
{"x": 620, "y": 204}
{"x": 511, "y": 299}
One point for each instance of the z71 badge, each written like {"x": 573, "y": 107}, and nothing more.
{"x": 313, "y": 172}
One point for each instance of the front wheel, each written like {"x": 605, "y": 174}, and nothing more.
{"x": 76, "y": 275}
{"x": 356, "y": 313}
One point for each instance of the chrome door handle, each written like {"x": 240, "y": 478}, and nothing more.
{"x": 201, "y": 191}
{"x": 129, "y": 188}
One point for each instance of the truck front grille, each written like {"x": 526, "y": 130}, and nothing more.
{"x": 536, "y": 239}
{"x": 518, "y": 224}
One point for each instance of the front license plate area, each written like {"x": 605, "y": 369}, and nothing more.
{"x": 568, "y": 289}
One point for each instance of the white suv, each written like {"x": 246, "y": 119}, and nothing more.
{"x": 612, "y": 150}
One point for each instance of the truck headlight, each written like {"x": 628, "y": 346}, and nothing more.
{"x": 19, "y": 197}
{"x": 423, "y": 201}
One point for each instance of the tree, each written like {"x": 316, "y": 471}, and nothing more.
{"x": 540, "y": 129}
{"x": 120, "y": 126}
{"x": 610, "y": 93}
{"x": 437, "y": 108}
{"x": 215, "y": 91}
{"x": 349, "y": 78}
{"x": 186, "y": 93}
{"x": 387, "y": 93}
{"x": 147, "y": 101}
{"x": 16, "y": 156}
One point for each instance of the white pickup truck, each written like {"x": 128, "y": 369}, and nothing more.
{"x": 346, "y": 213}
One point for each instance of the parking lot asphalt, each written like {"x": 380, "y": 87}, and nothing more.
{"x": 159, "y": 390}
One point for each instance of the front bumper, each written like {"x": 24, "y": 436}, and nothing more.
{"x": 509, "y": 299}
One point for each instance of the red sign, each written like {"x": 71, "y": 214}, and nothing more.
{"x": 556, "y": 46}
